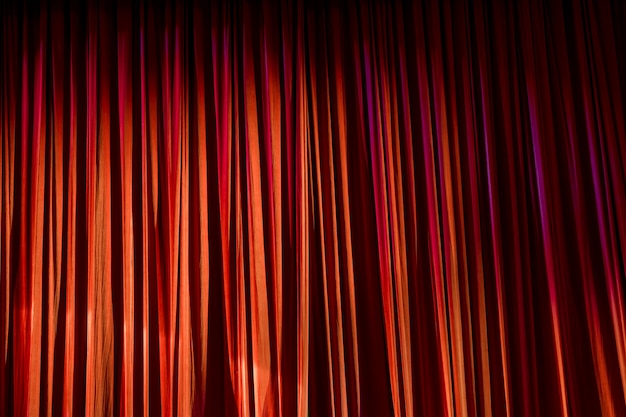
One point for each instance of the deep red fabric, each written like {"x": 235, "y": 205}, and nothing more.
{"x": 290, "y": 209}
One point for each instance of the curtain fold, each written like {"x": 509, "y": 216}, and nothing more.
{"x": 287, "y": 208}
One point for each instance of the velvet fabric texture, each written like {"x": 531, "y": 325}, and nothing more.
{"x": 285, "y": 208}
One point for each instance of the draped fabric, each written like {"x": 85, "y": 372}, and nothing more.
{"x": 290, "y": 209}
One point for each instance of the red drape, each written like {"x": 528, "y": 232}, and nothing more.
{"x": 290, "y": 209}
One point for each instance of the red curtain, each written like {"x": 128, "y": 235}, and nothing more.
{"x": 292, "y": 209}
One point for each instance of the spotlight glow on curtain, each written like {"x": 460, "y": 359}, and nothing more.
{"x": 283, "y": 209}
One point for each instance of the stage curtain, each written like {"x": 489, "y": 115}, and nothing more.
{"x": 292, "y": 208}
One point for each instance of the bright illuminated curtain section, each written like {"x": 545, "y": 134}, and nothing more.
{"x": 313, "y": 209}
